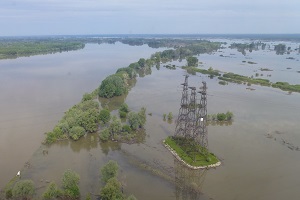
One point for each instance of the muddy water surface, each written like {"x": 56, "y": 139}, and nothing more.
{"x": 259, "y": 151}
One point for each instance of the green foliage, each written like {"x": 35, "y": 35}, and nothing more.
{"x": 134, "y": 120}
{"x": 88, "y": 196}
{"x": 193, "y": 153}
{"x": 122, "y": 114}
{"x": 170, "y": 116}
{"x": 126, "y": 128}
{"x": 229, "y": 115}
{"x": 223, "y": 83}
{"x": 52, "y": 192}
{"x": 192, "y": 61}
{"x": 286, "y": 86}
{"x": 23, "y": 189}
{"x": 142, "y": 62}
{"x": 87, "y": 97}
{"x": 236, "y": 78}
{"x": 210, "y": 71}
{"x": 104, "y": 135}
{"x": 76, "y": 132}
{"x": 124, "y": 107}
{"x": 130, "y": 71}
{"x": 164, "y": 116}
{"x": 109, "y": 170}
{"x": 221, "y": 116}
{"x": 112, "y": 190}
{"x": 8, "y": 193}
{"x": 15, "y": 49}
{"x": 111, "y": 86}
{"x": 70, "y": 183}
{"x": 142, "y": 116}
{"x": 104, "y": 116}
{"x": 115, "y": 126}
{"x": 85, "y": 115}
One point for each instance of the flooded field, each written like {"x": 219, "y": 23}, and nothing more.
{"x": 260, "y": 150}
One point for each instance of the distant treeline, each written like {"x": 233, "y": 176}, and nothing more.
{"x": 15, "y": 49}
{"x": 20, "y": 47}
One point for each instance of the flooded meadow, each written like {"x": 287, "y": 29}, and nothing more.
{"x": 259, "y": 150}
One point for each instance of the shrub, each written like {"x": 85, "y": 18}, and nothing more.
{"x": 104, "y": 116}
{"x": 87, "y": 97}
{"x": 104, "y": 135}
{"x": 126, "y": 128}
{"x": 170, "y": 116}
{"x": 134, "y": 120}
{"x": 122, "y": 114}
{"x": 124, "y": 108}
{"x": 52, "y": 192}
{"x": 23, "y": 189}
{"x": 111, "y": 191}
{"x": 221, "y": 116}
{"x": 109, "y": 170}
{"x": 70, "y": 183}
{"x": 76, "y": 132}
{"x": 112, "y": 86}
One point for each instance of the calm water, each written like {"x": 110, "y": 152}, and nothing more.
{"x": 36, "y": 91}
{"x": 258, "y": 151}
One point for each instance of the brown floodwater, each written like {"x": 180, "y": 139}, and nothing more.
{"x": 259, "y": 150}
{"x": 36, "y": 91}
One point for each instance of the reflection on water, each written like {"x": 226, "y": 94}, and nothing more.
{"x": 255, "y": 167}
{"x": 188, "y": 182}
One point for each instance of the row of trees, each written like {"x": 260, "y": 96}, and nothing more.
{"x": 112, "y": 190}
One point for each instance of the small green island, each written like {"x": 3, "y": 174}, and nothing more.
{"x": 190, "y": 153}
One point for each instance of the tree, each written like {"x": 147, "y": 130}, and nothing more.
{"x": 142, "y": 62}
{"x": 52, "y": 192}
{"x": 142, "y": 115}
{"x": 115, "y": 126}
{"x": 70, "y": 183}
{"x": 23, "y": 189}
{"x": 134, "y": 120}
{"x": 104, "y": 135}
{"x": 112, "y": 190}
{"x": 109, "y": 170}
{"x": 104, "y": 116}
{"x": 192, "y": 61}
{"x": 124, "y": 107}
{"x": 87, "y": 97}
{"x": 112, "y": 86}
{"x": 76, "y": 132}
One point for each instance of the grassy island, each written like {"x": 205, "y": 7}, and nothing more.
{"x": 191, "y": 153}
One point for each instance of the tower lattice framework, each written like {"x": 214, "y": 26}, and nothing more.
{"x": 181, "y": 122}
{"x": 192, "y": 117}
{"x": 200, "y": 128}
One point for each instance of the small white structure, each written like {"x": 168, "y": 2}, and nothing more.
{"x": 201, "y": 119}
{"x": 19, "y": 173}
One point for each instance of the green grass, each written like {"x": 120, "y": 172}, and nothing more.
{"x": 191, "y": 153}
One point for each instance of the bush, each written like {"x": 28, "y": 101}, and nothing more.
{"x": 76, "y": 132}
{"x": 104, "y": 116}
{"x": 111, "y": 191}
{"x": 126, "y": 128}
{"x": 112, "y": 86}
{"x": 170, "y": 116}
{"x": 87, "y": 97}
{"x": 134, "y": 120}
{"x": 109, "y": 170}
{"x": 115, "y": 126}
{"x": 124, "y": 108}
{"x": 70, "y": 183}
{"x": 221, "y": 116}
{"x": 52, "y": 192}
{"x": 23, "y": 189}
{"x": 104, "y": 135}
{"x": 122, "y": 114}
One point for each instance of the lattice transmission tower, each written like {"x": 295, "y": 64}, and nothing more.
{"x": 181, "y": 122}
{"x": 192, "y": 117}
{"x": 200, "y": 128}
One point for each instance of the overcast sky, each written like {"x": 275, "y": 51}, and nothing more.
{"x": 71, "y": 17}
